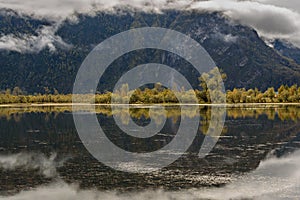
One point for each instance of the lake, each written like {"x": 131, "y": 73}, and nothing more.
{"x": 255, "y": 156}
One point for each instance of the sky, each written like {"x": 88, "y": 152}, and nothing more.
{"x": 271, "y": 18}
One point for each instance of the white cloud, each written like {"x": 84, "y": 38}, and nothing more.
{"x": 271, "y": 18}
{"x": 270, "y": 21}
{"x": 226, "y": 38}
{"x": 31, "y": 43}
{"x": 290, "y": 4}
{"x": 61, "y": 9}
{"x": 57, "y": 11}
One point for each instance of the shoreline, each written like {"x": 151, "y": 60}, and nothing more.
{"x": 24, "y": 105}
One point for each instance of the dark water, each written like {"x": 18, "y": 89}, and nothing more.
{"x": 256, "y": 156}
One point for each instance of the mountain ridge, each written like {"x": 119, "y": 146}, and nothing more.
{"x": 237, "y": 50}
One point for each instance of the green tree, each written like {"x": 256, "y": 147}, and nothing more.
{"x": 17, "y": 91}
{"x": 211, "y": 85}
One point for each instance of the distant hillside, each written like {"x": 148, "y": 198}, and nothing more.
{"x": 287, "y": 50}
{"x": 238, "y": 50}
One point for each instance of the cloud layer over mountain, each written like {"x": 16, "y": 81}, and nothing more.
{"x": 271, "y": 18}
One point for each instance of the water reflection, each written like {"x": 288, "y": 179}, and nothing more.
{"x": 275, "y": 178}
{"x": 283, "y": 112}
{"x": 250, "y": 135}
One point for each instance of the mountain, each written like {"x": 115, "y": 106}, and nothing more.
{"x": 288, "y": 50}
{"x": 236, "y": 49}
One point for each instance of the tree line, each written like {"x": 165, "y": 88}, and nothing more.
{"x": 161, "y": 95}
{"x": 210, "y": 83}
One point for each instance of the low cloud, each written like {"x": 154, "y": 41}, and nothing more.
{"x": 290, "y": 4}
{"x": 62, "y": 9}
{"x": 271, "y": 18}
{"x": 229, "y": 38}
{"x": 45, "y": 38}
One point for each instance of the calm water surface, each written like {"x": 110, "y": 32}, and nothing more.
{"x": 256, "y": 157}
